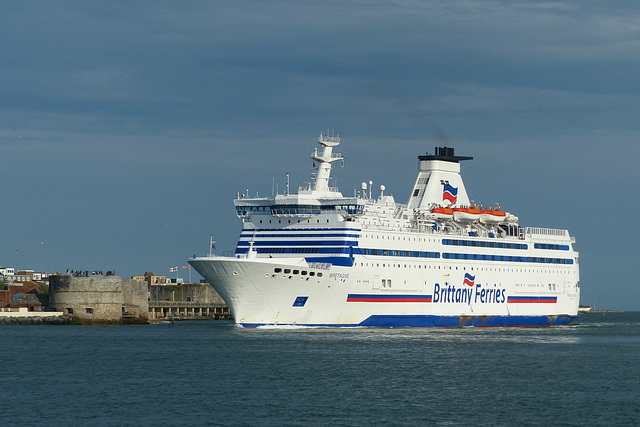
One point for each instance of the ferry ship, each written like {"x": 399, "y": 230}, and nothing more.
{"x": 319, "y": 258}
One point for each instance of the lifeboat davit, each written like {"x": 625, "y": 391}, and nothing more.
{"x": 493, "y": 217}
{"x": 466, "y": 214}
{"x": 442, "y": 213}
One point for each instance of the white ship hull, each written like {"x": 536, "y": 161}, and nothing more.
{"x": 394, "y": 291}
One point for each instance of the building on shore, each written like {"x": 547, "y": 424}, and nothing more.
{"x": 153, "y": 279}
{"x": 23, "y": 289}
{"x": 21, "y": 295}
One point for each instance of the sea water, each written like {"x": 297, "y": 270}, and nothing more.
{"x": 213, "y": 373}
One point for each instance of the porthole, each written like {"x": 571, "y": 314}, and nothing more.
{"x": 277, "y": 270}
{"x": 287, "y": 270}
{"x": 319, "y": 274}
{"x": 312, "y": 273}
{"x": 296, "y": 271}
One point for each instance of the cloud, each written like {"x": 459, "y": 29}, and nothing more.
{"x": 157, "y": 103}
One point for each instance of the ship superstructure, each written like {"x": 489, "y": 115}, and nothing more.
{"x": 318, "y": 258}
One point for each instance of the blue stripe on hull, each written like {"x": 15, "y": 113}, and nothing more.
{"x": 454, "y": 321}
{"x": 335, "y": 260}
{"x": 259, "y": 243}
{"x": 428, "y": 321}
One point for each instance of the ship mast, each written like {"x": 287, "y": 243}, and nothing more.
{"x": 324, "y": 161}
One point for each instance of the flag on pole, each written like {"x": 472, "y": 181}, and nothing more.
{"x": 185, "y": 267}
{"x": 212, "y": 245}
{"x": 173, "y": 269}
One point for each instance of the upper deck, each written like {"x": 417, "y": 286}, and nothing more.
{"x": 437, "y": 198}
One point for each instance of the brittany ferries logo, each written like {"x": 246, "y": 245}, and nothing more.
{"x": 469, "y": 279}
{"x": 449, "y": 193}
{"x": 469, "y": 292}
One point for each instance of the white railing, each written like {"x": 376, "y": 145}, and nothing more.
{"x": 321, "y": 156}
{"x": 549, "y": 232}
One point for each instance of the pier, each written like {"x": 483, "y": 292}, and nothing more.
{"x": 183, "y": 310}
{"x": 188, "y": 301}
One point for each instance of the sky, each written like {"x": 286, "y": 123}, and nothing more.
{"x": 127, "y": 128}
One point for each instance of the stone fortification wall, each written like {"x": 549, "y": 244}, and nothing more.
{"x": 98, "y": 299}
{"x": 135, "y": 295}
{"x": 201, "y": 293}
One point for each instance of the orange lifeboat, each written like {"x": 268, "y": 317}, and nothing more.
{"x": 466, "y": 214}
{"x": 442, "y": 213}
{"x": 493, "y": 216}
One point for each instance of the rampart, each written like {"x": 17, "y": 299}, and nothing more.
{"x": 99, "y": 299}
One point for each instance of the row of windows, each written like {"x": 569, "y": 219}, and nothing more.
{"x": 308, "y": 250}
{"x": 304, "y": 251}
{"x": 476, "y": 257}
{"x": 391, "y": 252}
{"x": 245, "y": 209}
{"x": 450, "y": 242}
{"x": 301, "y": 229}
{"x": 551, "y": 246}
{"x": 271, "y": 250}
{"x": 289, "y": 221}
{"x": 299, "y": 209}
{"x": 500, "y": 245}
{"x": 295, "y": 210}
{"x": 350, "y": 209}
{"x": 290, "y": 251}
{"x": 289, "y": 271}
{"x": 260, "y": 235}
{"x": 507, "y": 258}
{"x": 414, "y": 254}
{"x": 449, "y": 267}
{"x": 319, "y": 242}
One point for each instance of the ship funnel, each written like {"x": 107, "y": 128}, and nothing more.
{"x": 439, "y": 182}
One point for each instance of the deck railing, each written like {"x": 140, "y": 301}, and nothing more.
{"x": 548, "y": 232}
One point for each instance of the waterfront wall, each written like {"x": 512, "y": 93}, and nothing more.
{"x": 99, "y": 299}
{"x": 22, "y": 316}
{"x": 188, "y": 292}
{"x": 186, "y": 301}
